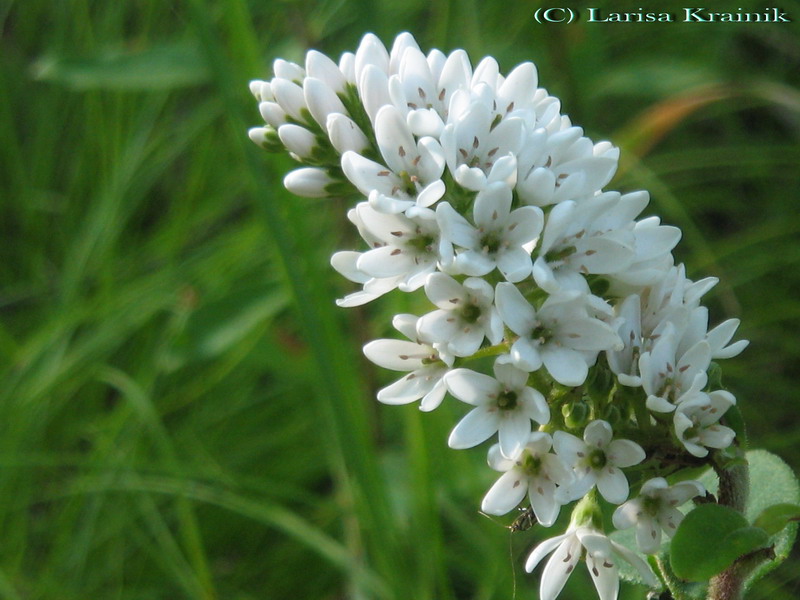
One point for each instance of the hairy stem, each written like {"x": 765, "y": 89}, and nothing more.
{"x": 734, "y": 484}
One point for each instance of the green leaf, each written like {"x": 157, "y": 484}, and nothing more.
{"x": 160, "y": 67}
{"x": 777, "y": 516}
{"x": 772, "y": 482}
{"x": 690, "y": 555}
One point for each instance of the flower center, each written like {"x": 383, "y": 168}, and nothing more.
{"x": 651, "y": 505}
{"x": 471, "y": 313}
{"x": 532, "y": 464}
{"x": 541, "y": 333}
{"x": 422, "y": 243}
{"x": 597, "y": 459}
{"x": 490, "y": 243}
{"x": 507, "y": 400}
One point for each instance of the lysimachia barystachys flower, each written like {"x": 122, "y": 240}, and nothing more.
{"x": 503, "y": 404}
{"x": 600, "y": 553}
{"x": 654, "y": 510}
{"x": 535, "y": 472}
{"x": 551, "y": 305}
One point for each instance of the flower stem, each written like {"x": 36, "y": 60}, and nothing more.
{"x": 734, "y": 484}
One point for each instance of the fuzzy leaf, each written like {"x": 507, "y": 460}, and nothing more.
{"x": 777, "y": 516}
{"x": 689, "y": 553}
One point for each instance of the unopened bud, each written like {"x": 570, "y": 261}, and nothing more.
{"x": 308, "y": 182}
{"x": 297, "y": 139}
{"x": 345, "y": 134}
{"x": 290, "y": 97}
{"x": 266, "y": 137}
{"x": 576, "y": 414}
{"x": 613, "y": 415}
{"x": 321, "y": 100}
{"x": 288, "y": 70}
{"x": 323, "y": 68}
{"x": 714, "y": 376}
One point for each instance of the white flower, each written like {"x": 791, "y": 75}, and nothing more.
{"x": 426, "y": 364}
{"x": 597, "y": 459}
{"x": 535, "y": 472}
{"x": 403, "y": 247}
{"x": 558, "y": 335}
{"x": 413, "y": 172}
{"x": 669, "y": 382}
{"x": 656, "y": 509}
{"x": 697, "y": 425}
{"x": 574, "y": 246}
{"x": 479, "y": 152}
{"x": 503, "y": 404}
{"x": 563, "y": 166}
{"x": 498, "y": 237}
{"x": 465, "y": 317}
{"x": 601, "y": 554}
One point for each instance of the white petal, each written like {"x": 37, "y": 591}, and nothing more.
{"x": 515, "y": 264}
{"x": 637, "y": 563}
{"x": 516, "y": 312}
{"x": 627, "y": 515}
{"x": 541, "y": 493}
{"x": 513, "y": 432}
{"x": 625, "y": 453}
{"x": 525, "y": 225}
{"x": 559, "y": 568}
{"x": 397, "y": 355}
{"x": 597, "y": 434}
{"x": 535, "y": 406}
{"x": 543, "y": 549}
{"x": 477, "y": 426}
{"x": 444, "y": 291}
{"x": 566, "y": 366}
{"x": 648, "y": 535}
{"x": 506, "y": 493}
{"x": 612, "y": 485}
{"x": 437, "y": 326}
{"x": 497, "y": 461}
{"x": 472, "y": 387}
{"x": 568, "y": 447}
{"x": 433, "y": 399}
{"x": 492, "y": 205}
{"x": 669, "y": 518}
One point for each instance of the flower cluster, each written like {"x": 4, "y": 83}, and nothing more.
{"x": 557, "y": 312}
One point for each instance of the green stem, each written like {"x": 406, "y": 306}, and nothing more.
{"x": 734, "y": 484}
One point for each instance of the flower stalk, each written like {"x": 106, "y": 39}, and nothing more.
{"x": 556, "y": 311}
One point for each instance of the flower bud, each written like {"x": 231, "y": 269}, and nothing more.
{"x": 290, "y": 97}
{"x": 714, "y": 376}
{"x": 599, "y": 383}
{"x": 345, "y": 135}
{"x": 612, "y": 414}
{"x": 308, "y": 182}
{"x": 272, "y": 114}
{"x": 288, "y": 70}
{"x": 266, "y": 137}
{"x": 576, "y": 414}
{"x": 321, "y": 100}
{"x": 323, "y": 68}
{"x": 298, "y": 140}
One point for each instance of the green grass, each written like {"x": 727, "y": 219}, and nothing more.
{"x": 184, "y": 412}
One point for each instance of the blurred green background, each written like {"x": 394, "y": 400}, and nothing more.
{"x": 185, "y": 413}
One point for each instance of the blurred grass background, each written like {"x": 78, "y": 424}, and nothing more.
{"x": 184, "y": 412}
